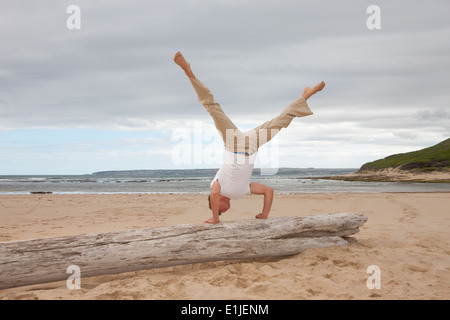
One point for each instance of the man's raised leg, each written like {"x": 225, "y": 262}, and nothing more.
{"x": 298, "y": 108}
{"x": 206, "y": 98}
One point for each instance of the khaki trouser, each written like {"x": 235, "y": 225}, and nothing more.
{"x": 247, "y": 142}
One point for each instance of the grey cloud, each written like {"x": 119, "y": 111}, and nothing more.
{"x": 254, "y": 55}
{"x": 433, "y": 115}
{"x": 410, "y": 135}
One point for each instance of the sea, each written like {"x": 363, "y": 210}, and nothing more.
{"x": 285, "y": 181}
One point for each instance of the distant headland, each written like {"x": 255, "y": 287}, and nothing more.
{"x": 431, "y": 164}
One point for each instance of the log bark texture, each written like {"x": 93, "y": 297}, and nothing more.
{"x": 26, "y": 262}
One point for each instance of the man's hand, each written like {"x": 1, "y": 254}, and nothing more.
{"x": 215, "y": 203}
{"x": 258, "y": 188}
{"x": 212, "y": 221}
{"x": 261, "y": 216}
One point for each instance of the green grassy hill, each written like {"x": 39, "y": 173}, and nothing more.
{"x": 435, "y": 158}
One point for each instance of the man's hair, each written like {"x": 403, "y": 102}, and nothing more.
{"x": 209, "y": 203}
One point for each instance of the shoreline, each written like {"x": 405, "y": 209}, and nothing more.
{"x": 392, "y": 175}
{"x": 378, "y": 178}
{"x": 141, "y": 193}
{"x": 406, "y": 236}
{"x": 322, "y": 181}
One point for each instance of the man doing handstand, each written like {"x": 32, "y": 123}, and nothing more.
{"x": 232, "y": 181}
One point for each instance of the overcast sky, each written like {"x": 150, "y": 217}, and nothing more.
{"x": 109, "y": 97}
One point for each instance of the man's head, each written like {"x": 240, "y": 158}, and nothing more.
{"x": 224, "y": 204}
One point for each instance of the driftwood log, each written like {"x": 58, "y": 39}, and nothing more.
{"x": 26, "y": 262}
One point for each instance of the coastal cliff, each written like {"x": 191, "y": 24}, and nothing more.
{"x": 431, "y": 164}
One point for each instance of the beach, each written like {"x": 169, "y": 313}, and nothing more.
{"x": 395, "y": 175}
{"x": 406, "y": 236}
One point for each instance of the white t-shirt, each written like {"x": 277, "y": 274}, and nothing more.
{"x": 234, "y": 175}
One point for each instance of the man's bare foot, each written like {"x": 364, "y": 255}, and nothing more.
{"x": 308, "y": 92}
{"x": 181, "y": 61}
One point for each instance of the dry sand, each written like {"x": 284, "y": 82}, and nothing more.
{"x": 407, "y": 236}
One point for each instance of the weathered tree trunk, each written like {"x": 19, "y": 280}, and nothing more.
{"x": 43, "y": 260}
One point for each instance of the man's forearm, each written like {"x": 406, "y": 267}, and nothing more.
{"x": 215, "y": 203}
{"x": 268, "y": 199}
